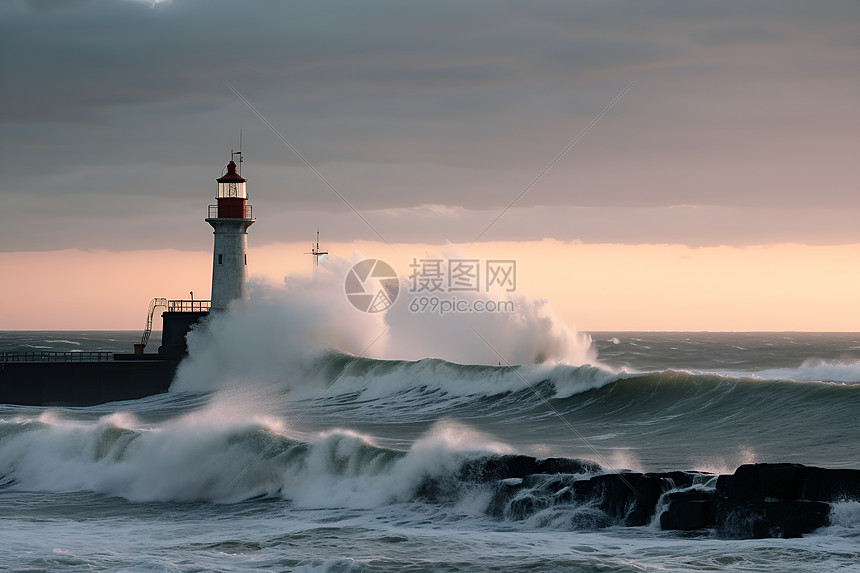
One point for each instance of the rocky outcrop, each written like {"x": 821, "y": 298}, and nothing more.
{"x": 627, "y": 498}
{"x": 779, "y": 500}
{"x": 488, "y": 468}
{"x": 689, "y": 510}
{"x": 758, "y": 500}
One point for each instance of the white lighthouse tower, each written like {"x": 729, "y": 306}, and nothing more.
{"x": 230, "y": 218}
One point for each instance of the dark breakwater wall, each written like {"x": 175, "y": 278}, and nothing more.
{"x": 76, "y": 380}
{"x": 83, "y": 383}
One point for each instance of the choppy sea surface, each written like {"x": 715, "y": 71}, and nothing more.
{"x": 323, "y": 468}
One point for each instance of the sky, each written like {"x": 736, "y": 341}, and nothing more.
{"x": 666, "y": 165}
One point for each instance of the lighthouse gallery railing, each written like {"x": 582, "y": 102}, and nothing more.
{"x": 213, "y": 212}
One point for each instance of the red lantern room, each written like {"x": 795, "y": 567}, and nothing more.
{"x": 231, "y": 194}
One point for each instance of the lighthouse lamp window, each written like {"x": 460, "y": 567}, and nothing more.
{"x": 232, "y": 189}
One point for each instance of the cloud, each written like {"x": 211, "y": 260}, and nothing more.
{"x": 119, "y": 111}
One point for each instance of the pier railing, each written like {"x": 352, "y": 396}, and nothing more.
{"x": 189, "y": 305}
{"x": 45, "y": 356}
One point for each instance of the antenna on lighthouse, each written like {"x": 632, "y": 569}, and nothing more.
{"x": 316, "y": 253}
{"x": 239, "y": 153}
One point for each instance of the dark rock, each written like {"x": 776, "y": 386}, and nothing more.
{"x": 743, "y": 484}
{"x": 629, "y": 497}
{"x": 832, "y": 485}
{"x": 780, "y": 500}
{"x": 688, "y": 510}
{"x": 794, "y": 518}
{"x": 755, "y": 482}
{"x": 760, "y": 481}
{"x": 782, "y": 481}
{"x": 491, "y": 468}
{"x": 519, "y": 498}
{"x": 758, "y": 500}
{"x": 681, "y": 480}
{"x": 503, "y": 493}
{"x": 758, "y": 520}
{"x": 525, "y": 506}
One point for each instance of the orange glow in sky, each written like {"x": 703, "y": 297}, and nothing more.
{"x": 591, "y": 286}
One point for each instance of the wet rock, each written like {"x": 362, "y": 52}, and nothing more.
{"x": 490, "y": 468}
{"x": 780, "y": 500}
{"x": 789, "y": 482}
{"x": 758, "y": 500}
{"x": 688, "y": 510}
{"x": 759, "y": 520}
{"x": 760, "y": 481}
{"x": 627, "y": 497}
{"x": 831, "y": 485}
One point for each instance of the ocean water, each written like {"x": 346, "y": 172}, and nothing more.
{"x": 324, "y": 465}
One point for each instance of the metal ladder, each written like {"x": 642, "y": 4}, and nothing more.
{"x": 153, "y": 304}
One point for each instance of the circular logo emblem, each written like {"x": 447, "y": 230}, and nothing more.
{"x": 371, "y": 285}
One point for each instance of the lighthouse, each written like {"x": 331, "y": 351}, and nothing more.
{"x": 230, "y": 218}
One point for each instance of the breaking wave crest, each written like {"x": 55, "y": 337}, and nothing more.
{"x": 811, "y": 370}
{"x": 282, "y": 333}
{"x": 201, "y": 459}
{"x": 224, "y": 453}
